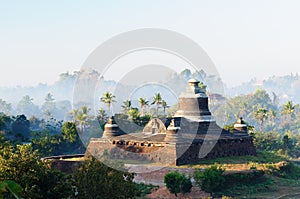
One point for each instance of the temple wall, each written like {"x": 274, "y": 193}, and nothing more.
{"x": 223, "y": 148}
{"x": 167, "y": 153}
{"x": 133, "y": 150}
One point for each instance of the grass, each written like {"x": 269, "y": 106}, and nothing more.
{"x": 268, "y": 187}
{"x": 261, "y": 157}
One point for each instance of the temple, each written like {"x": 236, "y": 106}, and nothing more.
{"x": 190, "y": 136}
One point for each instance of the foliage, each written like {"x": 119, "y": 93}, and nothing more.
{"x": 177, "y": 183}
{"x": 5, "y": 107}
{"x": 10, "y": 186}
{"x": 69, "y": 132}
{"x": 157, "y": 100}
{"x": 145, "y": 189}
{"x": 108, "y": 98}
{"x": 211, "y": 179}
{"x": 143, "y": 103}
{"x": 20, "y": 127}
{"x": 96, "y": 180}
{"x": 24, "y": 166}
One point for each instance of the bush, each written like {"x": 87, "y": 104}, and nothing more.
{"x": 177, "y": 183}
{"x": 23, "y": 165}
{"x": 211, "y": 179}
{"x": 96, "y": 180}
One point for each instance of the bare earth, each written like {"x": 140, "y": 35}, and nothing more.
{"x": 162, "y": 192}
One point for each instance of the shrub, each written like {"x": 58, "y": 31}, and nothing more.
{"x": 177, "y": 183}
{"x": 211, "y": 179}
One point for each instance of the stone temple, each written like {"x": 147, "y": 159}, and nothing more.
{"x": 190, "y": 136}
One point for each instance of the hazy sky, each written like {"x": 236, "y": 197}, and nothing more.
{"x": 245, "y": 39}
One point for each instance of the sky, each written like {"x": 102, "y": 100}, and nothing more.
{"x": 245, "y": 39}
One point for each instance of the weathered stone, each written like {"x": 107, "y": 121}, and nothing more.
{"x": 192, "y": 135}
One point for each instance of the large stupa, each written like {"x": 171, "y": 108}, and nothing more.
{"x": 189, "y": 136}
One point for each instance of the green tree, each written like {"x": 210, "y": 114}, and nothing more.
{"x": 211, "y": 179}
{"x": 177, "y": 183}
{"x": 157, "y": 100}
{"x": 165, "y": 106}
{"x": 49, "y": 107}
{"x": 5, "y": 107}
{"x": 126, "y": 106}
{"x": 143, "y": 103}
{"x": 108, "y": 98}
{"x": 134, "y": 114}
{"x": 81, "y": 118}
{"x": 10, "y": 186}
{"x": 24, "y": 166}
{"x": 261, "y": 115}
{"x": 69, "y": 131}
{"x": 96, "y": 180}
{"x": 101, "y": 116}
{"x": 27, "y": 107}
{"x": 20, "y": 127}
{"x": 288, "y": 109}
{"x": 5, "y": 122}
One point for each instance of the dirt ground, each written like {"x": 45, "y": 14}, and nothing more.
{"x": 163, "y": 192}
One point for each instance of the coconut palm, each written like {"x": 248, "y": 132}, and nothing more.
{"x": 108, "y": 99}
{"x": 157, "y": 100}
{"x": 164, "y": 105}
{"x": 81, "y": 117}
{"x": 261, "y": 114}
{"x": 143, "y": 103}
{"x": 126, "y": 107}
{"x": 288, "y": 109}
{"x": 101, "y": 116}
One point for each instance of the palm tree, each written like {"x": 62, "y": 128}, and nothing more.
{"x": 108, "y": 99}
{"x": 288, "y": 109}
{"x": 82, "y": 118}
{"x": 157, "y": 100}
{"x": 272, "y": 114}
{"x": 143, "y": 103}
{"x": 74, "y": 114}
{"x": 126, "y": 106}
{"x": 101, "y": 116}
{"x": 261, "y": 115}
{"x": 164, "y": 105}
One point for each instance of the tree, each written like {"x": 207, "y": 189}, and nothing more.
{"x": 101, "y": 116}
{"x": 143, "y": 103}
{"x": 157, "y": 100}
{"x": 211, "y": 179}
{"x": 38, "y": 180}
{"x": 108, "y": 99}
{"x": 20, "y": 126}
{"x": 5, "y": 107}
{"x": 164, "y": 105}
{"x": 134, "y": 114}
{"x": 49, "y": 107}
{"x": 261, "y": 115}
{"x": 177, "y": 183}
{"x": 69, "y": 131}
{"x": 288, "y": 110}
{"x": 82, "y": 118}
{"x": 126, "y": 106}
{"x": 5, "y": 122}
{"x": 27, "y": 107}
{"x": 10, "y": 186}
{"x": 96, "y": 180}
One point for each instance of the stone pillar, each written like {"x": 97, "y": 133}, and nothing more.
{"x": 111, "y": 129}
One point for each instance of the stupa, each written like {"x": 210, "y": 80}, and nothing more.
{"x": 191, "y": 135}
